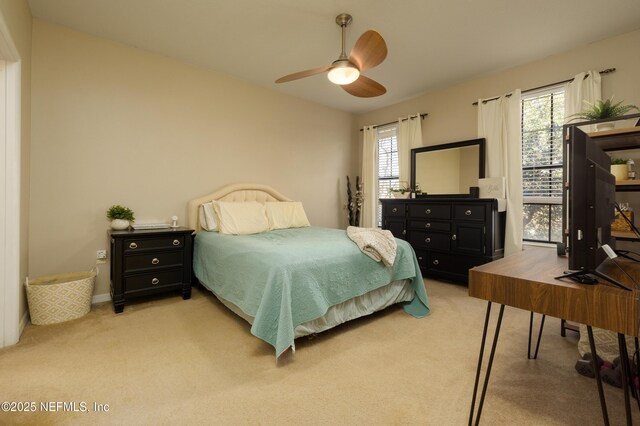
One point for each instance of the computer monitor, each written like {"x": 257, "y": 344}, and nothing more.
{"x": 591, "y": 202}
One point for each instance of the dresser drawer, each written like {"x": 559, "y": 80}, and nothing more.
{"x": 451, "y": 263}
{"x": 394, "y": 209}
{"x": 153, "y": 260}
{"x": 430, "y": 211}
{"x": 422, "y": 258}
{"x": 429, "y": 240}
{"x": 152, "y": 280}
{"x": 430, "y": 226}
{"x": 140, "y": 244}
{"x": 468, "y": 212}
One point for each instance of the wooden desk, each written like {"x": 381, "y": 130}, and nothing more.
{"x": 526, "y": 281}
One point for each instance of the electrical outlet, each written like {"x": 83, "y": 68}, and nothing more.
{"x": 101, "y": 255}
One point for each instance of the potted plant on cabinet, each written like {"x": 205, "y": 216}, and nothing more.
{"x": 401, "y": 191}
{"x": 120, "y": 217}
{"x": 601, "y": 110}
{"x": 619, "y": 168}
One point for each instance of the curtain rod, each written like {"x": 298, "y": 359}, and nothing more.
{"x": 607, "y": 71}
{"x": 404, "y": 119}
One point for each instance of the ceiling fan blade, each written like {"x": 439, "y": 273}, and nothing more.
{"x": 369, "y": 51}
{"x": 302, "y": 74}
{"x": 364, "y": 87}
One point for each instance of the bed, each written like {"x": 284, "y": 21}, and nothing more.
{"x": 292, "y": 282}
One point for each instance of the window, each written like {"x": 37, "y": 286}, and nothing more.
{"x": 542, "y": 159}
{"x": 388, "y": 167}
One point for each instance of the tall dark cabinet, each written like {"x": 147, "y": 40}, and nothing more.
{"x": 449, "y": 235}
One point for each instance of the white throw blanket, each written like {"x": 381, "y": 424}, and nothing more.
{"x": 378, "y": 244}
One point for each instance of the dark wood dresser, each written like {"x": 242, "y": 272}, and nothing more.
{"x": 145, "y": 262}
{"x": 449, "y": 235}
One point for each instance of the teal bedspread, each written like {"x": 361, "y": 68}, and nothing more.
{"x": 286, "y": 277}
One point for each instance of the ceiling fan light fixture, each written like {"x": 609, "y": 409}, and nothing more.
{"x": 343, "y": 72}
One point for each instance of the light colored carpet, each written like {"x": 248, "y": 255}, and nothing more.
{"x": 169, "y": 361}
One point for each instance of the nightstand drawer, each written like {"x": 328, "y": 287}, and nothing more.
{"x": 153, "y": 260}
{"x": 151, "y": 280}
{"x": 140, "y": 244}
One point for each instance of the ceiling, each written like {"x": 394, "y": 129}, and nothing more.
{"x": 432, "y": 43}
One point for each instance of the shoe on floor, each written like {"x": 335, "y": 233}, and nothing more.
{"x": 584, "y": 365}
{"x": 612, "y": 376}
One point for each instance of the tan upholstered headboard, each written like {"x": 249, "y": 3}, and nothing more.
{"x": 237, "y": 192}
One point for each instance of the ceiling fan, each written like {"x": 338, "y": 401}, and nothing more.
{"x": 369, "y": 51}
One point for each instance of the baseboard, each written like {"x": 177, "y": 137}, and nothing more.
{"x": 100, "y": 298}
{"x": 24, "y": 321}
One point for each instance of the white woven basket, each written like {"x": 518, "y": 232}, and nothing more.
{"x": 57, "y": 298}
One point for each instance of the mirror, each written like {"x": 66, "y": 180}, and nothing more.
{"x": 448, "y": 169}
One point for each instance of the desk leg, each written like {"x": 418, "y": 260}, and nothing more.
{"x": 535, "y": 356}
{"x": 626, "y": 373}
{"x": 596, "y": 369}
{"x": 488, "y": 372}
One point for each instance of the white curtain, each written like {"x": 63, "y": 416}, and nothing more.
{"x": 499, "y": 123}
{"x": 585, "y": 86}
{"x": 369, "y": 179}
{"x": 409, "y": 137}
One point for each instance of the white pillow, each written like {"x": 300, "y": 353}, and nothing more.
{"x": 286, "y": 214}
{"x": 208, "y": 220}
{"x": 241, "y": 218}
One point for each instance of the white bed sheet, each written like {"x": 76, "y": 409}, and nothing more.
{"x": 368, "y": 303}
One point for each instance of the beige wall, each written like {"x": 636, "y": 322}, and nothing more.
{"x": 17, "y": 15}
{"x": 453, "y": 118}
{"x": 114, "y": 124}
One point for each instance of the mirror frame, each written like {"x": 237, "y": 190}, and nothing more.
{"x": 471, "y": 142}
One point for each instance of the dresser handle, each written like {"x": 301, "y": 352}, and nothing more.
{"x": 427, "y": 211}
{"x": 428, "y": 225}
{"x": 453, "y": 237}
{"x": 155, "y": 281}
{"x": 133, "y": 246}
{"x": 404, "y": 232}
{"x": 427, "y": 240}
{"x": 419, "y": 257}
{"x": 155, "y": 261}
{"x": 176, "y": 242}
{"x": 394, "y": 210}
{"x": 435, "y": 262}
{"x": 468, "y": 212}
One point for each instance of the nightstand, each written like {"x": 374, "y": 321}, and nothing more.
{"x": 150, "y": 261}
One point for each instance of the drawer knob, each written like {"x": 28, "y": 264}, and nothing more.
{"x": 427, "y": 211}
{"x": 155, "y": 281}
{"x": 404, "y": 232}
{"x": 133, "y": 246}
{"x": 453, "y": 237}
{"x": 435, "y": 262}
{"x": 468, "y": 212}
{"x": 428, "y": 225}
{"x": 155, "y": 261}
{"x": 427, "y": 240}
{"x": 419, "y": 257}
{"x": 176, "y": 242}
{"x": 394, "y": 210}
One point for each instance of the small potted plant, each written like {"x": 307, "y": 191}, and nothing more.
{"x": 401, "y": 191}
{"x": 601, "y": 110}
{"x": 619, "y": 168}
{"x": 120, "y": 217}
